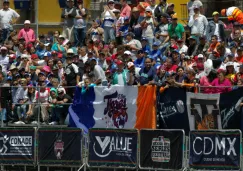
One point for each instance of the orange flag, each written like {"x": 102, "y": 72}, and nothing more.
{"x": 146, "y": 107}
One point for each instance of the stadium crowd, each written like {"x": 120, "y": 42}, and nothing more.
{"x": 143, "y": 45}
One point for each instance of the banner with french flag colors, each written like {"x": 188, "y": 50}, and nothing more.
{"x": 123, "y": 107}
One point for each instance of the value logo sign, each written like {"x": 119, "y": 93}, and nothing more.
{"x": 215, "y": 149}
{"x": 112, "y": 148}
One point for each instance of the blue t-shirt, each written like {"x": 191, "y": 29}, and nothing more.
{"x": 146, "y": 75}
{"x": 139, "y": 63}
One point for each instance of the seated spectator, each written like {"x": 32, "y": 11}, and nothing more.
{"x": 221, "y": 83}
{"x": 206, "y": 82}
{"x": 230, "y": 72}
{"x": 147, "y": 73}
{"x": 180, "y": 74}
{"x": 161, "y": 76}
{"x": 120, "y": 77}
{"x": 133, "y": 73}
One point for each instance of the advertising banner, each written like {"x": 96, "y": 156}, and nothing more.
{"x": 59, "y": 146}
{"x": 161, "y": 149}
{"x": 17, "y": 146}
{"x": 113, "y": 148}
{"x": 215, "y": 150}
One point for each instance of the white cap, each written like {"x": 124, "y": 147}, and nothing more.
{"x": 27, "y": 22}
{"x": 46, "y": 44}
{"x": 3, "y": 48}
{"x": 24, "y": 56}
{"x": 200, "y": 56}
{"x": 148, "y": 9}
{"x": 61, "y": 36}
{"x": 70, "y": 51}
{"x": 111, "y": 1}
{"x": 230, "y": 64}
{"x": 130, "y": 64}
{"x": 127, "y": 52}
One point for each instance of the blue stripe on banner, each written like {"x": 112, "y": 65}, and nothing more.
{"x": 81, "y": 112}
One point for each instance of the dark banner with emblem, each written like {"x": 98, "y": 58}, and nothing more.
{"x": 59, "y": 146}
{"x": 113, "y": 148}
{"x": 161, "y": 149}
{"x": 17, "y": 146}
{"x": 215, "y": 150}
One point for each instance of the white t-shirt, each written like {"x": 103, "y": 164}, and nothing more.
{"x": 99, "y": 73}
{"x": 83, "y": 58}
{"x": 216, "y": 32}
{"x": 41, "y": 63}
{"x": 148, "y": 32}
{"x": 107, "y": 17}
{"x": 6, "y": 16}
{"x": 183, "y": 49}
{"x": 4, "y": 62}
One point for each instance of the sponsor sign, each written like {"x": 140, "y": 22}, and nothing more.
{"x": 161, "y": 149}
{"x": 112, "y": 148}
{"x": 17, "y": 146}
{"x": 215, "y": 150}
{"x": 60, "y": 146}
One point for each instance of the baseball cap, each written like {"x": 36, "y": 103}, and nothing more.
{"x": 119, "y": 62}
{"x": 215, "y": 13}
{"x": 130, "y": 64}
{"x": 3, "y": 48}
{"x": 47, "y": 54}
{"x": 176, "y": 51}
{"x": 46, "y": 68}
{"x": 174, "y": 16}
{"x": 126, "y": 18}
{"x": 34, "y": 56}
{"x": 202, "y": 37}
{"x": 5, "y": 1}
{"x": 140, "y": 51}
{"x": 127, "y": 52}
{"x": 230, "y": 55}
{"x": 179, "y": 40}
{"x": 9, "y": 78}
{"x": 12, "y": 56}
{"x": 24, "y": 56}
{"x": 229, "y": 64}
{"x": 193, "y": 37}
{"x": 111, "y": 1}
{"x": 108, "y": 59}
{"x": 174, "y": 46}
{"x": 61, "y": 36}
{"x": 70, "y": 0}
{"x": 196, "y": 6}
{"x": 144, "y": 39}
{"x": 12, "y": 67}
{"x": 33, "y": 67}
{"x": 27, "y": 22}
{"x": 47, "y": 44}
{"x": 135, "y": 9}
{"x": 116, "y": 11}
{"x": 70, "y": 51}
{"x": 200, "y": 56}
{"x": 156, "y": 43}
{"x": 41, "y": 73}
{"x": 148, "y": 9}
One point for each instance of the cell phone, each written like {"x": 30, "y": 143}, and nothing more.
{"x": 104, "y": 83}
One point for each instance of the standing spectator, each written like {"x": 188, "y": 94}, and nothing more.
{"x": 4, "y": 59}
{"x": 190, "y": 5}
{"x": 69, "y": 14}
{"x": 176, "y": 29}
{"x": 95, "y": 32}
{"x": 215, "y": 27}
{"x": 98, "y": 72}
{"x": 80, "y": 24}
{"x": 27, "y": 33}
{"x": 162, "y": 29}
{"x": 135, "y": 23}
{"x": 198, "y": 23}
{"x": 8, "y": 17}
{"x": 109, "y": 21}
{"x": 126, "y": 9}
{"x": 148, "y": 25}
{"x": 160, "y": 9}
{"x": 202, "y": 46}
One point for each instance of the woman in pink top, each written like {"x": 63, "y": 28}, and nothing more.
{"x": 27, "y": 33}
{"x": 207, "y": 81}
{"x": 221, "y": 82}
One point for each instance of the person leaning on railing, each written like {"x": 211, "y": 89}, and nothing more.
{"x": 221, "y": 83}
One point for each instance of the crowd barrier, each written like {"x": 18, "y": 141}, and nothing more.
{"x": 158, "y": 149}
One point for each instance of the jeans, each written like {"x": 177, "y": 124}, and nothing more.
{"x": 3, "y": 114}
{"x": 5, "y": 34}
{"x": 150, "y": 42}
{"x": 21, "y": 111}
{"x": 79, "y": 36}
{"x": 109, "y": 34}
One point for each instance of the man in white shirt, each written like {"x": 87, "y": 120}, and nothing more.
{"x": 198, "y": 23}
{"x": 4, "y": 59}
{"x": 99, "y": 74}
{"x": 83, "y": 54}
{"x": 192, "y": 3}
{"x": 8, "y": 17}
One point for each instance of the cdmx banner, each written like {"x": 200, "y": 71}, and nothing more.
{"x": 17, "y": 146}
{"x": 59, "y": 146}
{"x": 178, "y": 109}
{"x": 215, "y": 150}
{"x": 161, "y": 149}
{"x": 112, "y": 148}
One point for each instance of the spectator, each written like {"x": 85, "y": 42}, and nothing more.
{"x": 97, "y": 72}
{"x": 222, "y": 84}
{"x": 109, "y": 21}
{"x": 27, "y": 33}
{"x": 160, "y": 9}
{"x": 95, "y": 32}
{"x": 4, "y": 59}
{"x": 230, "y": 72}
{"x": 161, "y": 76}
{"x": 162, "y": 29}
{"x": 191, "y": 4}
{"x": 206, "y": 82}
{"x": 126, "y": 9}
{"x": 8, "y": 18}
{"x": 120, "y": 77}
{"x": 198, "y": 23}
{"x": 176, "y": 29}
{"x": 133, "y": 73}
{"x": 215, "y": 27}
{"x": 180, "y": 75}
{"x": 192, "y": 49}
{"x": 147, "y": 73}
{"x": 69, "y": 14}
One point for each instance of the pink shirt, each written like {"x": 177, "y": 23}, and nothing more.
{"x": 204, "y": 82}
{"x": 126, "y": 11}
{"x": 28, "y": 34}
{"x": 218, "y": 88}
